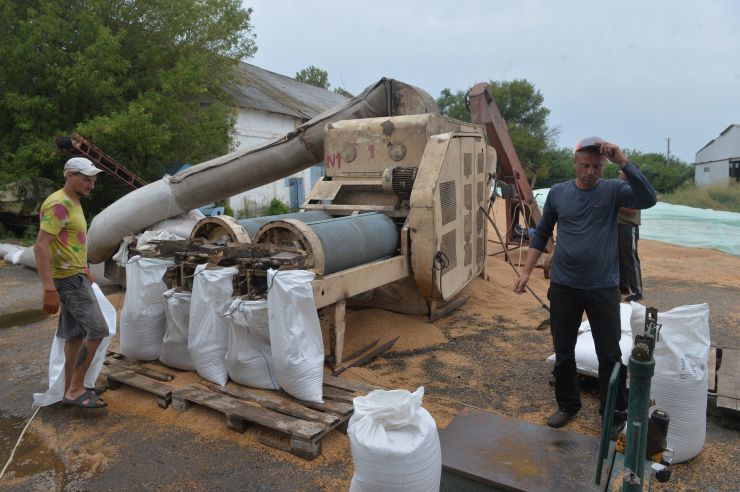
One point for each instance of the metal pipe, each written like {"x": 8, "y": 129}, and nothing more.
{"x": 244, "y": 169}
{"x": 641, "y": 372}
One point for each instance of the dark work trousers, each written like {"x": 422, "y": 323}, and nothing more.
{"x": 602, "y": 308}
{"x": 630, "y": 274}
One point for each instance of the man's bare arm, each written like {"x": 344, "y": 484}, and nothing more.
{"x": 43, "y": 267}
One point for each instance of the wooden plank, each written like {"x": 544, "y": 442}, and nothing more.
{"x": 340, "y": 408}
{"x": 162, "y": 391}
{"x": 712, "y": 369}
{"x": 346, "y": 384}
{"x": 338, "y": 395}
{"x": 275, "y": 402}
{"x": 137, "y": 367}
{"x": 728, "y": 380}
{"x": 252, "y": 412}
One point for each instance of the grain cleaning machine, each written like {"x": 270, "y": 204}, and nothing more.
{"x": 396, "y": 220}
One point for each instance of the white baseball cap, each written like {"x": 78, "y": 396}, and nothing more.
{"x": 81, "y": 165}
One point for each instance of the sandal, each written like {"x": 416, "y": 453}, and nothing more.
{"x": 88, "y": 396}
{"x": 98, "y": 390}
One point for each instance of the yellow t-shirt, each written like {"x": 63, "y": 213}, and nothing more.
{"x": 63, "y": 218}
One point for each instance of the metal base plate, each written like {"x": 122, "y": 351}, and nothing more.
{"x": 500, "y": 453}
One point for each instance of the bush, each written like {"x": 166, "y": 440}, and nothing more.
{"x": 717, "y": 196}
{"x": 276, "y": 207}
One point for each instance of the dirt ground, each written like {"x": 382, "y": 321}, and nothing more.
{"x": 489, "y": 354}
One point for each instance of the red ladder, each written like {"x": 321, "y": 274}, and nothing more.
{"x": 102, "y": 160}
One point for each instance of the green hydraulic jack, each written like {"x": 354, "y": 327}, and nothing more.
{"x": 644, "y": 439}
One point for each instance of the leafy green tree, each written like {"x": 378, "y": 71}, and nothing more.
{"x": 314, "y": 76}
{"x": 522, "y": 106}
{"x": 664, "y": 178}
{"x": 453, "y": 105}
{"x": 141, "y": 79}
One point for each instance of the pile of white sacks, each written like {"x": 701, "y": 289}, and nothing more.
{"x": 270, "y": 344}
{"x": 679, "y": 385}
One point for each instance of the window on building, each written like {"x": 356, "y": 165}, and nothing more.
{"x": 735, "y": 169}
{"x": 706, "y": 169}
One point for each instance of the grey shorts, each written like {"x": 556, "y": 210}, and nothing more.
{"x": 80, "y": 315}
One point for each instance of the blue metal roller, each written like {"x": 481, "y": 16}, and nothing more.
{"x": 355, "y": 240}
{"x": 253, "y": 224}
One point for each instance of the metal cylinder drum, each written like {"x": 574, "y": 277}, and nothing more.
{"x": 336, "y": 244}
{"x": 252, "y": 225}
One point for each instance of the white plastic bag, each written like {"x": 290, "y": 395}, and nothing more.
{"x": 249, "y": 357}
{"x": 143, "y": 321}
{"x": 175, "y": 351}
{"x": 208, "y": 335}
{"x": 56, "y": 357}
{"x": 295, "y": 334}
{"x": 679, "y": 385}
{"x": 586, "y": 361}
{"x": 395, "y": 444}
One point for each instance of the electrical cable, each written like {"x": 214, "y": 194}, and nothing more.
{"x": 23, "y": 432}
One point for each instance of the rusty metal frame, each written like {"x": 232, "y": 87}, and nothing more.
{"x": 484, "y": 112}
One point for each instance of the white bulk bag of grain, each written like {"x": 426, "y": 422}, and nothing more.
{"x": 143, "y": 321}
{"x": 680, "y": 383}
{"x": 295, "y": 334}
{"x": 10, "y": 252}
{"x": 208, "y": 335}
{"x": 395, "y": 444}
{"x": 586, "y": 361}
{"x": 175, "y": 351}
{"x": 249, "y": 357}
{"x": 57, "y": 359}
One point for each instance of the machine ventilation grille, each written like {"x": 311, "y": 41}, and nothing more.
{"x": 448, "y": 201}
{"x": 449, "y": 248}
{"x": 468, "y": 162}
{"x": 468, "y": 196}
{"x": 479, "y": 196}
{"x": 479, "y": 163}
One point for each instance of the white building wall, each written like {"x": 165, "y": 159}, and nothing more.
{"x": 253, "y": 127}
{"x": 713, "y": 161}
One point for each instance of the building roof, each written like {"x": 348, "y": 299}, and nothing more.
{"x": 256, "y": 88}
{"x": 721, "y": 133}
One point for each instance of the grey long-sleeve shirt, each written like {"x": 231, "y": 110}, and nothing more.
{"x": 586, "y": 252}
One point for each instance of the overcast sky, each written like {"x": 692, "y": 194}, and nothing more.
{"x": 633, "y": 72}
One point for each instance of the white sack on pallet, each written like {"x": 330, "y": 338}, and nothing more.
{"x": 680, "y": 383}
{"x": 55, "y": 392}
{"x": 208, "y": 335}
{"x": 143, "y": 321}
{"x": 395, "y": 444}
{"x": 175, "y": 351}
{"x": 249, "y": 357}
{"x": 295, "y": 334}
{"x": 586, "y": 361}
{"x": 10, "y": 252}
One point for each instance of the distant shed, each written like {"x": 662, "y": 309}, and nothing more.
{"x": 269, "y": 106}
{"x": 719, "y": 160}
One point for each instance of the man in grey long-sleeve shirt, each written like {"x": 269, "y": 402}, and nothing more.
{"x": 585, "y": 267}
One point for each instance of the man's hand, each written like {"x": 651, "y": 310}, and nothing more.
{"x": 614, "y": 153}
{"x": 51, "y": 301}
{"x": 521, "y": 283}
{"x": 89, "y": 275}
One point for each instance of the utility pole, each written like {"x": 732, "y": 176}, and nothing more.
{"x": 668, "y": 152}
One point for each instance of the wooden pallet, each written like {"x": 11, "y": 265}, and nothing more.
{"x": 118, "y": 372}
{"x": 304, "y": 423}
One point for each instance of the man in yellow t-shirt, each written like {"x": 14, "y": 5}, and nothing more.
{"x": 61, "y": 261}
